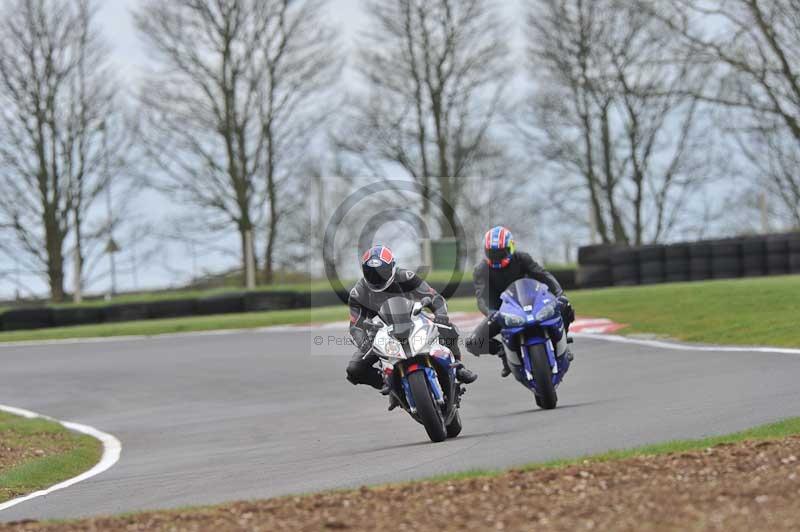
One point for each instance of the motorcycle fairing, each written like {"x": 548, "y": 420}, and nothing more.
{"x": 526, "y": 298}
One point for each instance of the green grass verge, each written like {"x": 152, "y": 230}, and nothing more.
{"x": 761, "y": 311}
{"x": 246, "y": 320}
{"x": 64, "y": 454}
{"x": 758, "y": 311}
{"x": 772, "y": 431}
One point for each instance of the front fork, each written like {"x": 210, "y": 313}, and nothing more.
{"x": 551, "y": 356}
{"x": 430, "y": 374}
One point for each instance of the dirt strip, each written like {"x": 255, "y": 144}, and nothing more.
{"x": 745, "y": 486}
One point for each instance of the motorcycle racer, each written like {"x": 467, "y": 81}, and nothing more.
{"x": 503, "y": 265}
{"x": 383, "y": 280}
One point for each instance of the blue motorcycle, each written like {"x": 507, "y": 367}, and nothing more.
{"x": 534, "y": 339}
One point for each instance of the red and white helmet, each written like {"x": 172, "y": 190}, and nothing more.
{"x": 379, "y": 267}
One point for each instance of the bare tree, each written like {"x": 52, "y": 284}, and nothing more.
{"x": 754, "y": 46}
{"x": 301, "y": 67}
{"x": 434, "y": 73}
{"x": 56, "y": 89}
{"x": 611, "y": 110}
{"x": 228, "y": 103}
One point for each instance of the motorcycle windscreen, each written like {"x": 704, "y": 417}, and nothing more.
{"x": 397, "y": 312}
{"x": 525, "y": 292}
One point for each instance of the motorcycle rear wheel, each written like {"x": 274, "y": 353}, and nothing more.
{"x": 543, "y": 377}
{"x": 427, "y": 410}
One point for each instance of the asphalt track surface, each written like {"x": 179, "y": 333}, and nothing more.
{"x": 214, "y": 418}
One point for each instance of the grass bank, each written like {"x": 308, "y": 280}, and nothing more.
{"x": 758, "y": 311}
{"x": 37, "y": 453}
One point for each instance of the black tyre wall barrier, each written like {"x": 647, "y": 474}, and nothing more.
{"x": 327, "y": 298}
{"x": 69, "y": 316}
{"x": 700, "y": 261}
{"x": 726, "y": 260}
{"x": 261, "y": 301}
{"x": 696, "y": 261}
{"x": 221, "y": 304}
{"x": 625, "y": 267}
{"x": 595, "y": 265}
{"x": 126, "y": 312}
{"x": 753, "y": 257}
{"x": 27, "y": 318}
{"x": 598, "y": 254}
{"x": 651, "y": 265}
{"x": 794, "y": 253}
{"x": 676, "y": 263}
{"x": 174, "y": 308}
{"x": 777, "y": 254}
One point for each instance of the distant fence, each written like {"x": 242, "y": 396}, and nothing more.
{"x": 257, "y": 301}
{"x": 610, "y": 265}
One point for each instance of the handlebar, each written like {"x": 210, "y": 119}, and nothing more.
{"x": 425, "y": 302}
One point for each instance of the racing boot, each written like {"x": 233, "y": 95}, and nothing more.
{"x": 466, "y": 376}
{"x": 393, "y": 402}
{"x": 506, "y": 371}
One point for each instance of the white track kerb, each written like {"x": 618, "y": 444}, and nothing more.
{"x": 686, "y": 347}
{"x": 111, "y": 451}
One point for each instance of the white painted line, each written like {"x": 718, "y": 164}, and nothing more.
{"x": 659, "y": 344}
{"x": 138, "y": 338}
{"x": 111, "y": 451}
{"x": 590, "y": 322}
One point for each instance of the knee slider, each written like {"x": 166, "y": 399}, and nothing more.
{"x": 353, "y": 372}
{"x": 473, "y": 345}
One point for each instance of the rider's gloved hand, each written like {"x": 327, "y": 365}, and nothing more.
{"x": 361, "y": 339}
{"x": 442, "y": 320}
{"x": 566, "y": 308}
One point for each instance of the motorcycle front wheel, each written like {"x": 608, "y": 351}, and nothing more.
{"x": 427, "y": 410}
{"x": 543, "y": 377}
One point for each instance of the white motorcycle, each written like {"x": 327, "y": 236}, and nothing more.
{"x": 419, "y": 371}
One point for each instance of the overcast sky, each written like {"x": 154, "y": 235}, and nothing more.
{"x": 176, "y": 263}
{"x": 117, "y": 23}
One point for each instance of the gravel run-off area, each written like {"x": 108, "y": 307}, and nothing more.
{"x": 752, "y": 485}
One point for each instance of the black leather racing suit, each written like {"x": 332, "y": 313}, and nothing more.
{"x": 364, "y": 304}
{"x": 490, "y": 283}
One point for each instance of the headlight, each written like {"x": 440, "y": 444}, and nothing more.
{"x": 419, "y": 340}
{"x": 547, "y": 312}
{"x": 393, "y": 348}
{"x": 512, "y": 320}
